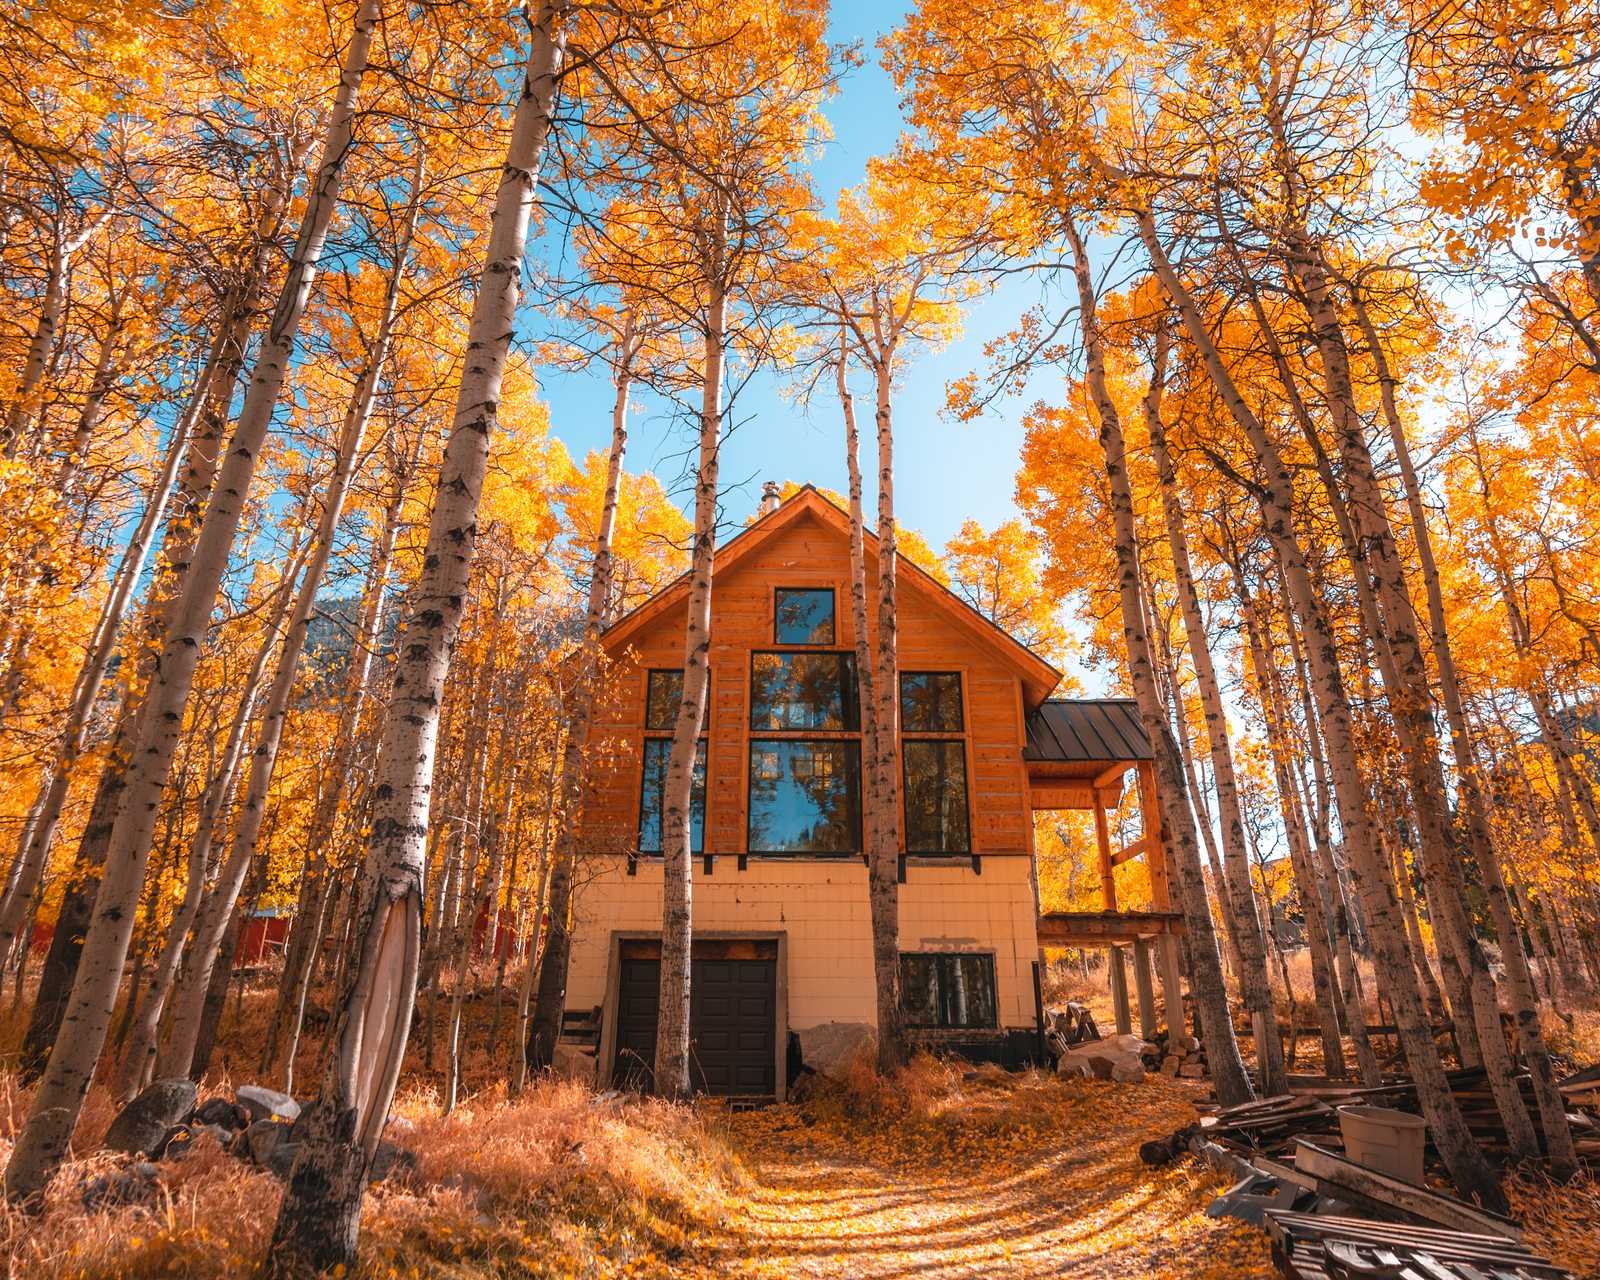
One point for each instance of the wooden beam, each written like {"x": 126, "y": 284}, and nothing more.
{"x": 1346, "y": 1180}
{"x": 1102, "y": 837}
{"x": 1144, "y": 985}
{"x": 1129, "y": 852}
{"x": 1063, "y": 795}
{"x": 1112, "y": 774}
{"x": 1097, "y": 928}
{"x": 1171, "y": 985}
{"x": 1119, "y": 993}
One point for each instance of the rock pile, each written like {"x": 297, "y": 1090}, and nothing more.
{"x": 1181, "y": 1057}
{"x": 1120, "y": 1058}
{"x": 260, "y": 1125}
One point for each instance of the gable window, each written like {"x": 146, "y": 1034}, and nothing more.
{"x": 803, "y": 615}
{"x": 663, "y": 694}
{"x": 933, "y": 759}
{"x": 947, "y": 989}
{"x": 804, "y": 691}
{"x": 805, "y": 795}
{"x": 930, "y": 702}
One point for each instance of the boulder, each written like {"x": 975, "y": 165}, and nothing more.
{"x": 264, "y": 1137}
{"x": 1118, "y": 1058}
{"x": 1070, "y": 1066}
{"x": 222, "y": 1113}
{"x": 573, "y": 1062}
{"x": 266, "y": 1104}
{"x": 1170, "y": 1065}
{"x": 1192, "y": 1070}
{"x": 136, "y": 1184}
{"x": 141, "y": 1127}
{"x": 829, "y": 1047}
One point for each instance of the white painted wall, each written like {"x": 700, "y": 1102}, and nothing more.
{"x": 822, "y": 907}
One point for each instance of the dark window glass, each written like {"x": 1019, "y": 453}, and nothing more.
{"x": 657, "y": 751}
{"x": 936, "y": 797}
{"x": 803, "y": 691}
{"x": 947, "y": 990}
{"x": 805, "y": 797}
{"x": 930, "y": 702}
{"x": 663, "y": 694}
{"x": 803, "y": 615}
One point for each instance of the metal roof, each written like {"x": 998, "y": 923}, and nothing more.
{"x": 1067, "y": 729}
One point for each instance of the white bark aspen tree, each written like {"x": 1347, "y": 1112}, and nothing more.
{"x": 25, "y": 402}
{"x": 319, "y": 1218}
{"x": 1391, "y": 955}
{"x": 1524, "y": 999}
{"x": 1205, "y": 959}
{"x": 177, "y": 1055}
{"x": 43, "y": 1142}
{"x": 858, "y": 585}
{"x": 1254, "y": 986}
{"x": 311, "y": 911}
{"x": 540, "y": 1042}
{"x": 139, "y": 1058}
{"x": 677, "y": 914}
{"x": 883, "y": 865}
{"x": 45, "y": 815}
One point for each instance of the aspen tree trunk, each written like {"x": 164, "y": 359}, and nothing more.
{"x": 1254, "y": 986}
{"x": 534, "y": 928}
{"x": 43, "y": 1142}
{"x": 672, "y": 1078}
{"x": 137, "y": 1062}
{"x": 1332, "y": 1012}
{"x": 311, "y": 912}
{"x": 25, "y": 404}
{"x": 320, "y": 1215}
{"x": 883, "y": 866}
{"x": 858, "y": 587}
{"x": 206, "y": 417}
{"x": 1452, "y": 1138}
{"x": 539, "y": 1039}
{"x": 45, "y": 815}
{"x": 1371, "y": 549}
{"x": 177, "y": 1056}
{"x": 1205, "y": 977}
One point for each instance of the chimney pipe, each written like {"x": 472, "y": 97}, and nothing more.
{"x": 769, "y": 497}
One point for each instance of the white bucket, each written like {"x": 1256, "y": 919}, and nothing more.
{"x": 1389, "y": 1141}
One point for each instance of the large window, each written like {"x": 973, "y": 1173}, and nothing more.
{"x": 936, "y": 796}
{"x": 805, "y": 795}
{"x": 663, "y": 695}
{"x": 947, "y": 989}
{"x": 803, "y": 615}
{"x": 803, "y": 692}
{"x": 934, "y": 762}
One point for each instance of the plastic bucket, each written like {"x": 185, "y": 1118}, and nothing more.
{"x": 1389, "y": 1141}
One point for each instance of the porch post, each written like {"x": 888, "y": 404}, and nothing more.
{"x": 1145, "y": 987}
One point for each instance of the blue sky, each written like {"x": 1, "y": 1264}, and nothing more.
{"x": 944, "y": 472}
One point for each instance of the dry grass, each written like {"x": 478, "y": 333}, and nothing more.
{"x": 560, "y": 1183}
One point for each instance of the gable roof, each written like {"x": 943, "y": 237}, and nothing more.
{"x": 1038, "y": 676}
{"x": 1065, "y": 730}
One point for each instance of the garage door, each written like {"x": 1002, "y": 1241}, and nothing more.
{"x": 733, "y": 1015}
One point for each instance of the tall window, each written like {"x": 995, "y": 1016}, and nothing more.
{"x": 947, "y": 989}
{"x": 802, "y": 615}
{"x": 663, "y": 694}
{"x": 805, "y": 768}
{"x": 934, "y": 760}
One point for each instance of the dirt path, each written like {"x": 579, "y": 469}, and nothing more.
{"x": 1037, "y": 1180}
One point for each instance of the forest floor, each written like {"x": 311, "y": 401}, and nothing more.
{"x": 947, "y": 1171}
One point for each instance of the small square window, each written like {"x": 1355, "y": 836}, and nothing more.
{"x": 930, "y": 702}
{"x": 663, "y": 695}
{"x": 803, "y": 615}
{"x": 947, "y": 989}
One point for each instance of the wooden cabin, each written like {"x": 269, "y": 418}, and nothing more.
{"x": 781, "y": 920}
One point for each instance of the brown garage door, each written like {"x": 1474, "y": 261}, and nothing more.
{"x": 733, "y": 1016}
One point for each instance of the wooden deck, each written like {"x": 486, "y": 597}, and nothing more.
{"x": 1097, "y": 928}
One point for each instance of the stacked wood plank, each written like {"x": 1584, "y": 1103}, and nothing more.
{"x": 1309, "y": 1246}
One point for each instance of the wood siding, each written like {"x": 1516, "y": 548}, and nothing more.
{"x": 933, "y": 636}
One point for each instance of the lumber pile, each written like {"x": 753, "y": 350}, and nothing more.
{"x": 1330, "y": 1217}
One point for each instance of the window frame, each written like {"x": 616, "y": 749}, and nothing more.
{"x": 905, "y": 795}
{"x": 846, "y": 740}
{"x": 807, "y": 645}
{"x": 994, "y": 991}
